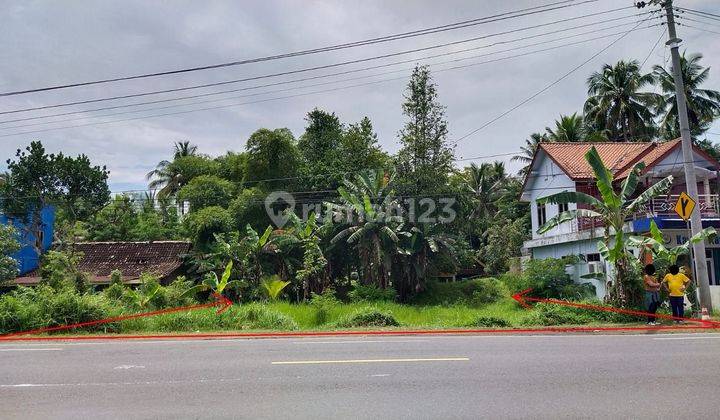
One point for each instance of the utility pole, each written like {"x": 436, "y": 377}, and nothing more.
{"x": 702, "y": 282}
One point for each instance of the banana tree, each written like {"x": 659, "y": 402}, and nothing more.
{"x": 369, "y": 224}
{"x": 656, "y": 243}
{"x": 213, "y": 283}
{"x": 273, "y": 286}
{"x": 612, "y": 208}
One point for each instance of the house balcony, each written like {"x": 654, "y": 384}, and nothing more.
{"x": 662, "y": 210}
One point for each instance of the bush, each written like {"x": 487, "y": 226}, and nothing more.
{"x": 474, "y": 292}
{"x": 516, "y": 282}
{"x": 42, "y": 306}
{"x": 114, "y": 292}
{"x": 370, "y": 293}
{"x": 492, "y": 322}
{"x": 551, "y": 314}
{"x": 368, "y": 317}
{"x": 548, "y": 279}
{"x": 323, "y": 304}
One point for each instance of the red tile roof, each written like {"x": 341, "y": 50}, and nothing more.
{"x": 616, "y": 155}
{"x": 160, "y": 258}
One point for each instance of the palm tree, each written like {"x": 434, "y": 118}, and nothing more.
{"x": 613, "y": 208}
{"x": 369, "y": 226}
{"x": 417, "y": 250}
{"x": 617, "y": 104}
{"x": 165, "y": 176}
{"x": 527, "y": 152}
{"x": 569, "y": 128}
{"x": 484, "y": 182}
{"x": 703, "y": 105}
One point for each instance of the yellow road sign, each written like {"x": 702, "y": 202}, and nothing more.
{"x": 684, "y": 206}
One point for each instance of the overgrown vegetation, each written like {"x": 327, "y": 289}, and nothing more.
{"x": 369, "y": 234}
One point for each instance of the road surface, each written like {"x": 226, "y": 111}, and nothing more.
{"x": 431, "y": 377}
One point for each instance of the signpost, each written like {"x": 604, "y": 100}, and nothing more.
{"x": 684, "y": 208}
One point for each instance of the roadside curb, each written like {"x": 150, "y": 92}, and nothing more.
{"x": 300, "y": 334}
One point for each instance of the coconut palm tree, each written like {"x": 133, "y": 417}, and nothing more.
{"x": 703, "y": 105}
{"x": 165, "y": 176}
{"x": 618, "y": 104}
{"x": 527, "y": 152}
{"x": 484, "y": 182}
{"x": 613, "y": 208}
{"x": 569, "y": 128}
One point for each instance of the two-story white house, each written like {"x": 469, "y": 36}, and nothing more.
{"x": 560, "y": 167}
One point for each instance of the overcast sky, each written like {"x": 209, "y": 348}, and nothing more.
{"x": 57, "y": 42}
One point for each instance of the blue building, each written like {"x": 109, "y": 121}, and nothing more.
{"x": 27, "y": 257}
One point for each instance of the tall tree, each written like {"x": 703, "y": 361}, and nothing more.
{"x": 168, "y": 176}
{"x": 527, "y": 152}
{"x": 319, "y": 148}
{"x": 569, "y": 128}
{"x": 360, "y": 149}
{"x": 8, "y": 245}
{"x": 425, "y": 158}
{"x": 617, "y": 103}
{"x": 74, "y": 187}
{"x": 703, "y": 105}
{"x": 271, "y": 155}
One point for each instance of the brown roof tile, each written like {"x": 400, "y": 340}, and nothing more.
{"x": 616, "y": 155}
{"x": 131, "y": 258}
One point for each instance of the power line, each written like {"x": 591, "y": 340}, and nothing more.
{"x": 653, "y": 49}
{"x": 371, "y": 41}
{"x": 713, "y": 24}
{"x": 454, "y": 52}
{"x": 549, "y": 86}
{"x": 329, "y": 82}
{"x": 699, "y": 29}
{"x": 698, "y": 12}
{"x": 322, "y": 67}
{"x": 264, "y": 100}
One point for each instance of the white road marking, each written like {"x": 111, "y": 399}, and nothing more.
{"x": 707, "y": 337}
{"x": 323, "y": 362}
{"x": 358, "y": 341}
{"x": 44, "y": 349}
{"x": 380, "y": 375}
{"x": 129, "y": 367}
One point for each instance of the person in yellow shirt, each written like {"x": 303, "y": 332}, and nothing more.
{"x": 676, "y": 283}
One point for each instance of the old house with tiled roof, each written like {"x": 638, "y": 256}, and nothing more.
{"x": 163, "y": 259}
{"x": 558, "y": 167}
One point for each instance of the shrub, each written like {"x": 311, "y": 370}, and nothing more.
{"x": 175, "y": 290}
{"x": 552, "y": 314}
{"x": 516, "y": 282}
{"x": 370, "y": 293}
{"x": 323, "y": 304}
{"x": 368, "y": 317}
{"x": 492, "y": 322}
{"x": 116, "y": 277}
{"x": 114, "y": 292}
{"x": 474, "y": 292}
{"x": 485, "y": 291}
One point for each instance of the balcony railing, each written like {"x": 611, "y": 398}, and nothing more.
{"x": 707, "y": 205}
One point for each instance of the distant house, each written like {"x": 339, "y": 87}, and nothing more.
{"x": 558, "y": 167}
{"x": 27, "y": 257}
{"x": 161, "y": 258}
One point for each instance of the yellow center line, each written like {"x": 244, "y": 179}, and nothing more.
{"x": 323, "y": 362}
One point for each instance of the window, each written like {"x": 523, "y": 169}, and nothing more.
{"x": 563, "y": 207}
{"x": 541, "y": 214}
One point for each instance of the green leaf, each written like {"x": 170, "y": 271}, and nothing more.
{"x": 263, "y": 239}
{"x": 704, "y": 234}
{"x": 659, "y": 188}
{"x": 565, "y": 217}
{"x": 630, "y": 183}
{"x": 572, "y": 197}
{"x": 604, "y": 178}
{"x": 193, "y": 290}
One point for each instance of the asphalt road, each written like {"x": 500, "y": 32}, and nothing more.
{"x": 432, "y": 377}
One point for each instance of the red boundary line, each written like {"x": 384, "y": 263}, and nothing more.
{"x": 356, "y": 333}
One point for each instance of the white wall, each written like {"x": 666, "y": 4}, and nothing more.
{"x": 546, "y": 179}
